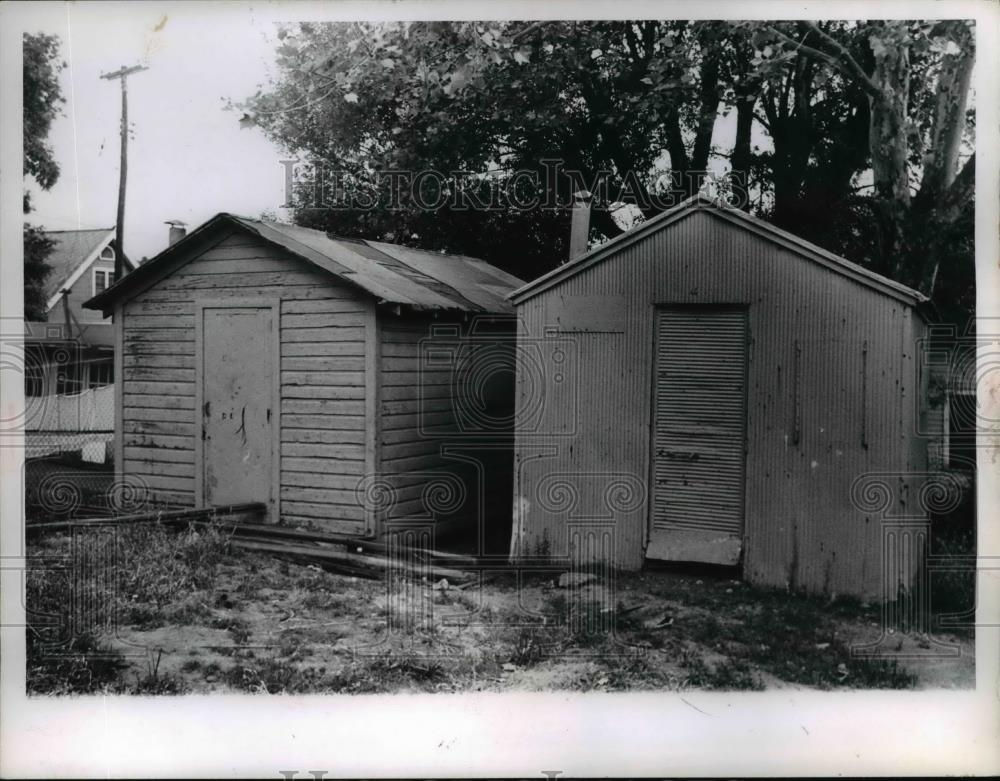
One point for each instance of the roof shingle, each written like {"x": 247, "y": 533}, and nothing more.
{"x": 70, "y": 250}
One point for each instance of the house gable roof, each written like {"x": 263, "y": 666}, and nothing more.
{"x": 391, "y": 273}
{"x": 73, "y": 252}
{"x": 737, "y": 217}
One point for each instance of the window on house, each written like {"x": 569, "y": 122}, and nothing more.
{"x": 108, "y": 253}
{"x": 101, "y": 374}
{"x": 103, "y": 279}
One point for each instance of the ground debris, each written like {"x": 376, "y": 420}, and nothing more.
{"x": 661, "y": 621}
{"x": 243, "y": 620}
{"x": 574, "y": 579}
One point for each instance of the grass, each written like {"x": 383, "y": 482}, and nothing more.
{"x": 291, "y": 629}
{"x": 236, "y": 627}
{"x": 793, "y": 638}
{"x": 385, "y": 672}
{"x": 79, "y": 591}
{"x": 760, "y": 632}
{"x": 953, "y": 534}
{"x": 81, "y": 666}
{"x": 191, "y": 562}
{"x": 953, "y": 592}
{"x": 728, "y": 675}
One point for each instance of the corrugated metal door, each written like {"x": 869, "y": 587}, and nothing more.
{"x": 699, "y": 425}
{"x": 237, "y": 377}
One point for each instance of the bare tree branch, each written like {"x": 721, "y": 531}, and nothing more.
{"x": 801, "y": 47}
{"x": 847, "y": 59}
{"x": 836, "y": 61}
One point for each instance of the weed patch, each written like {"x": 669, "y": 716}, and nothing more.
{"x": 727, "y": 675}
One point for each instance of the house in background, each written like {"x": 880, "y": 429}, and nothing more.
{"x": 69, "y": 358}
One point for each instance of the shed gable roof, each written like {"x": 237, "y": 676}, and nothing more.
{"x": 741, "y": 219}
{"x": 391, "y": 273}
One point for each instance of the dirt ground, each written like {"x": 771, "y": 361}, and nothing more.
{"x": 271, "y": 626}
{"x": 252, "y": 623}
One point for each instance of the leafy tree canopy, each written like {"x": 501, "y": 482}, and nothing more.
{"x": 854, "y": 135}
{"x": 43, "y": 99}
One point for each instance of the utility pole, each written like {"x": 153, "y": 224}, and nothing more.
{"x": 122, "y": 73}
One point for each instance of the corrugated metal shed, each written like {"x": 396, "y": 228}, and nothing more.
{"x": 763, "y": 228}
{"x": 832, "y": 396}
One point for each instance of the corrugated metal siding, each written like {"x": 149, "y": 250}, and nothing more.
{"x": 827, "y": 400}
{"x": 398, "y": 274}
{"x": 700, "y": 416}
{"x": 323, "y": 323}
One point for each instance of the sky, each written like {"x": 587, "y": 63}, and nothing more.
{"x": 188, "y": 158}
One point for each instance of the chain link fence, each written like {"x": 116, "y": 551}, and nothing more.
{"x": 69, "y": 430}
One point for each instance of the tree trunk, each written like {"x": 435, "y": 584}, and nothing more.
{"x": 675, "y": 142}
{"x": 741, "y": 149}
{"x": 932, "y": 234}
{"x": 890, "y": 147}
{"x": 941, "y": 160}
{"x": 915, "y": 229}
{"x": 708, "y": 111}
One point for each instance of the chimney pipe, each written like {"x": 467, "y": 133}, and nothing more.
{"x": 178, "y": 230}
{"x": 579, "y": 231}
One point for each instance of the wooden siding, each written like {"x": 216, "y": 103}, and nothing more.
{"x": 831, "y": 397}
{"x": 411, "y": 400}
{"x": 322, "y": 379}
{"x": 430, "y": 427}
{"x": 80, "y": 291}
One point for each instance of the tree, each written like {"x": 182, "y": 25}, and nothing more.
{"x": 821, "y": 111}
{"x": 620, "y": 104}
{"x": 42, "y": 100}
{"x": 817, "y": 123}
{"x": 915, "y": 77}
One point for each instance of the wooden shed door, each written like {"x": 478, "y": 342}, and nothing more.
{"x": 699, "y": 424}
{"x": 237, "y": 404}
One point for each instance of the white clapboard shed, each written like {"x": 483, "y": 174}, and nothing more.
{"x": 260, "y": 361}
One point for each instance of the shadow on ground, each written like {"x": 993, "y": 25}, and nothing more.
{"x": 187, "y": 613}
